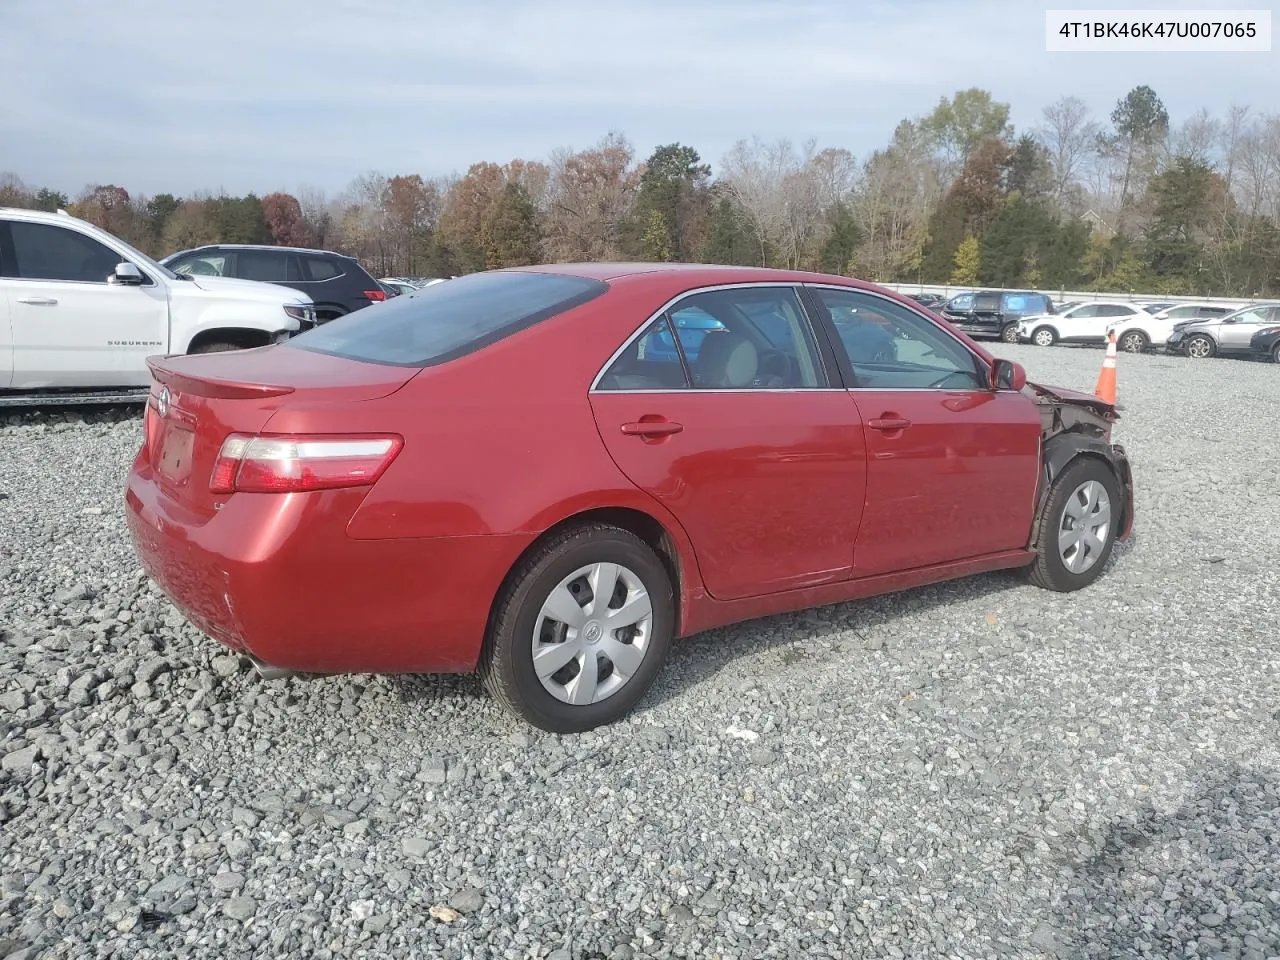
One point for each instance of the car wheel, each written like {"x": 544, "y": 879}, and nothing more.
{"x": 1134, "y": 341}
{"x": 1010, "y": 333}
{"x": 1200, "y": 347}
{"x": 1077, "y": 526}
{"x": 215, "y": 348}
{"x": 1044, "y": 337}
{"x": 580, "y": 630}
{"x": 1275, "y": 353}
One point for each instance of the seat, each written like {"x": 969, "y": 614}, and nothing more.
{"x": 727, "y": 360}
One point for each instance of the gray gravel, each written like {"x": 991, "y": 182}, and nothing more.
{"x": 979, "y": 769}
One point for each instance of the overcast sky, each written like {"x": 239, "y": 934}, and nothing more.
{"x": 273, "y": 94}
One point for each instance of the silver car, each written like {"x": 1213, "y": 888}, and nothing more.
{"x": 1211, "y": 336}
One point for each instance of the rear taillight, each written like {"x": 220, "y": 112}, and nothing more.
{"x": 150, "y": 423}
{"x": 375, "y": 294}
{"x": 284, "y": 464}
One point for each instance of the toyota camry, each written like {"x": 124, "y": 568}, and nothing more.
{"x": 548, "y": 474}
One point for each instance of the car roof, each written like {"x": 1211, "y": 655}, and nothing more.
{"x": 265, "y": 246}
{"x": 697, "y": 274}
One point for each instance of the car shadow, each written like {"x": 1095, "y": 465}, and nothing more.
{"x": 1202, "y": 879}
{"x": 695, "y": 659}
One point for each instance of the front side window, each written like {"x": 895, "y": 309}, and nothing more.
{"x": 447, "y": 320}
{"x": 1250, "y": 315}
{"x": 42, "y": 251}
{"x": 1084, "y": 312}
{"x": 892, "y": 348}
{"x": 205, "y": 265}
{"x": 961, "y": 303}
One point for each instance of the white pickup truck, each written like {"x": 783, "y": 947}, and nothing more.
{"x": 81, "y": 310}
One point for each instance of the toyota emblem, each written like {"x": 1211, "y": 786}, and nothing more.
{"x": 162, "y": 402}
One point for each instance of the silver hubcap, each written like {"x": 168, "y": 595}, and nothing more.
{"x": 1085, "y": 526}
{"x": 592, "y": 633}
{"x": 1011, "y": 335}
{"x": 1044, "y": 338}
{"x": 1198, "y": 347}
{"x": 1131, "y": 344}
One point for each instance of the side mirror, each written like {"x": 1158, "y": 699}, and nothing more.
{"x": 1007, "y": 375}
{"x": 126, "y": 273}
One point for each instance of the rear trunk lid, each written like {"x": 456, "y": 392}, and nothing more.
{"x": 197, "y": 401}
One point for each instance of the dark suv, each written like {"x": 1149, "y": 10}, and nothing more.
{"x": 995, "y": 313}
{"x": 337, "y": 283}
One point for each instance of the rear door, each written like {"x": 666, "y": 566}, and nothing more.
{"x": 6, "y": 331}
{"x": 952, "y": 465}
{"x": 753, "y": 447}
{"x": 69, "y": 326}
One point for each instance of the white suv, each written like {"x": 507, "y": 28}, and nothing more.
{"x": 81, "y": 309}
{"x": 1085, "y": 322}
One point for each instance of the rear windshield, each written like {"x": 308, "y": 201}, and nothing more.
{"x": 446, "y": 320}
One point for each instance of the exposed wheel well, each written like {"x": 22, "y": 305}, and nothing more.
{"x": 241, "y": 337}
{"x": 635, "y": 521}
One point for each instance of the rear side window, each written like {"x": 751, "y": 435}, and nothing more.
{"x": 322, "y": 268}
{"x": 986, "y": 302}
{"x": 1212, "y": 311}
{"x": 448, "y": 320}
{"x": 260, "y": 265}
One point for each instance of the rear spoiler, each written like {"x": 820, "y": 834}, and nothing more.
{"x": 204, "y": 386}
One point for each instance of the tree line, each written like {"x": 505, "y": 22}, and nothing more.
{"x": 956, "y": 196}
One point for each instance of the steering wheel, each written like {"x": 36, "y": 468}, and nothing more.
{"x": 775, "y": 365}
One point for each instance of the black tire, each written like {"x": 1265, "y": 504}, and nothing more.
{"x": 1044, "y": 336}
{"x": 1133, "y": 341}
{"x": 1050, "y": 570}
{"x": 1009, "y": 334}
{"x": 1275, "y": 353}
{"x": 216, "y": 347}
{"x": 506, "y": 665}
{"x": 1202, "y": 343}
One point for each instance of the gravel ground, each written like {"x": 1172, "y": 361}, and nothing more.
{"x": 979, "y": 769}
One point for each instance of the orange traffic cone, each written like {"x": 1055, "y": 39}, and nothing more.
{"x": 1106, "y": 388}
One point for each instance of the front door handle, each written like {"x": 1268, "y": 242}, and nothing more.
{"x": 889, "y": 423}
{"x": 38, "y": 301}
{"x": 651, "y": 428}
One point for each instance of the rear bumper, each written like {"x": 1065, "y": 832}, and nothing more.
{"x": 276, "y": 576}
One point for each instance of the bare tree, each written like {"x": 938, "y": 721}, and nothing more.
{"x": 900, "y": 186}
{"x": 1071, "y": 138}
{"x": 1198, "y": 138}
{"x": 589, "y": 197}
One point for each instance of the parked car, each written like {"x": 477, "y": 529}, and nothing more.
{"x": 1265, "y": 344}
{"x": 397, "y": 285}
{"x": 995, "y": 313}
{"x": 314, "y": 519}
{"x": 931, "y": 300}
{"x": 1086, "y": 322}
{"x": 1136, "y": 334}
{"x": 1232, "y": 334}
{"x": 336, "y": 283}
{"x": 391, "y": 290}
{"x": 82, "y": 309}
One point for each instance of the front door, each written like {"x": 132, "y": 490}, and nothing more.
{"x": 1234, "y": 334}
{"x": 952, "y": 465}
{"x": 70, "y": 326}
{"x": 751, "y": 446}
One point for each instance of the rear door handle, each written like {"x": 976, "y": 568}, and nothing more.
{"x": 652, "y": 428}
{"x": 889, "y": 423}
{"x": 38, "y": 301}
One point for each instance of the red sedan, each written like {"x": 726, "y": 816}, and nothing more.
{"x": 546, "y": 474}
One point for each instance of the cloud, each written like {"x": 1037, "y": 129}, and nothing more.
{"x": 272, "y": 93}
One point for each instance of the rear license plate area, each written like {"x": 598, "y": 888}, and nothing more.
{"x": 175, "y": 453}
